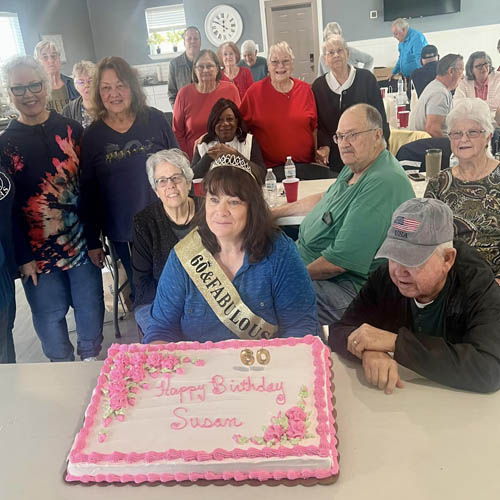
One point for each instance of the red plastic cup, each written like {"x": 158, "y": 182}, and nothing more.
{"x": 291, "y": 187}
{"x": 198, "y": 187}
{"x": 404, "y": 118}
{"x": 383, "y": 91}
{"x": 401, "y": 107}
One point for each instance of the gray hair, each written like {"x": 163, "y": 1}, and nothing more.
{"x": 400, "y": 23}
{"x": 248, "y": 46}
{"x": 471, "y": 108}
{"x": 332, "y": 28}
{"x": 173, "y": 156}
{"x": 449, "y": 61}
{"x": 480, "y": 54}
{"x": 27, "y": 62}
{"x": 334, "y": 39}
{"x": 83, "y": 67}
{"x": 440, "y": 249}
{"x": 281, "y": 47}
{"x": 41, "y": 46}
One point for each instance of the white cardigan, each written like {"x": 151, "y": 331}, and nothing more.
{"x": 466, "y": 89}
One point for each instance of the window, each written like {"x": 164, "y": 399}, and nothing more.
{"x": 11, "y": 40}
{"x": 165, "y": 27}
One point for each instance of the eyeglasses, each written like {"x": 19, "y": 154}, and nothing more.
{"x": 334, "y": 52}
{"x": 20, "y": 90}
{"x": 471, "y": 134}
{"x": 84, "y": 83}
{"x": 482, "y": 65}
{"x": 163, "y": 181}
{"x": 201, "y": 67}
{"x": 285, "y": 62}
{"x": 351, "y": 136}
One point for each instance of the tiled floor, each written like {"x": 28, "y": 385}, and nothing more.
{"x": 28, "y": 347}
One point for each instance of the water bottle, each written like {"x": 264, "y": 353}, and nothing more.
{"x": 453, "y": 160}
{"x": 289, "y": 168}
{"x": 271, "y": 188}
{"x": 401, "y": 85}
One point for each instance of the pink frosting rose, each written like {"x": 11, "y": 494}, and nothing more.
{"x": 296, "y": 429}
{"x": 273, "y": 432}
{"x": 296, "y": 413}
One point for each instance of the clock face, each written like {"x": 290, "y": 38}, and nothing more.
{"x": 223, "y": 24}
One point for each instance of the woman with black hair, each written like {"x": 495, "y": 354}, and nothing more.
{"x": 227, "y": 133}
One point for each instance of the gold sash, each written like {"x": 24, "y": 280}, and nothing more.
{"x": 219, "y": 292}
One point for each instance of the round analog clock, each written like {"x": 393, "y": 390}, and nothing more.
{"x": 223, "y": 24}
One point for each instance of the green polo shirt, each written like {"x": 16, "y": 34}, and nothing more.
{"x": 348, "y": 225}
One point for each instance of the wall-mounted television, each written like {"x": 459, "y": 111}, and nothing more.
{"x": 418, "y": 8}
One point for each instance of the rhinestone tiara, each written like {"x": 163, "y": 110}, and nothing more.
{"x": 232, "y": 160}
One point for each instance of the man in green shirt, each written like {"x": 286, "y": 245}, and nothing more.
{"x": 346, "y": 225}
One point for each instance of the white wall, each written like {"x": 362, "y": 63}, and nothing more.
{"x": 462, "y": 41}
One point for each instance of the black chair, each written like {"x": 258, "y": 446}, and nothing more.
{"x": 415, "y": 151}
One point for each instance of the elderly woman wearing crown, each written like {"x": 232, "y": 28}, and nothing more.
{"x": 235, "y": 275}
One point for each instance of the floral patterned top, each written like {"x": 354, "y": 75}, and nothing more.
{"x": 476, "y": 211}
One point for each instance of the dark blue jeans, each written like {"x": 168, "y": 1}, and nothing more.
{"x": 79, "y": 287}
{"x": 7, "y": 316}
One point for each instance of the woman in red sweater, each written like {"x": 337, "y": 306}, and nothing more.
{"x": 195, "y": 101}
{"x": 229, "y": 56}
{"x": 281, "y": 113}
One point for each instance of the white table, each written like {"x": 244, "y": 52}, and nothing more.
{"x": 423, "y": 442}
{"x": 307, "y": 188}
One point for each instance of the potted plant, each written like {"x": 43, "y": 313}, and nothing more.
{"x": 156, "y": 39}
{"x": 174, "y": 37}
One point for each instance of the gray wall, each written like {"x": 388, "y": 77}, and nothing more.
{"x": 353, "y": 16}
{"x": 68, "y": 18}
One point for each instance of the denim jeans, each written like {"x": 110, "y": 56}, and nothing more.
{"x": 79, "y": 287}
{"x": 333, "y": 299}
{"x": 7, "y": 316}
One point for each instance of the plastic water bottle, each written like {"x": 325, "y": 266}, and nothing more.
{"x": 290, "y": 171}
{"x": 271, "y": 188}
{"x": 401, "y": 85}
{"x": 453, "y": 160}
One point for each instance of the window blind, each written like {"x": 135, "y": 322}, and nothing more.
{"x": 167, "y": 18}
{"x": 11, "y": 40}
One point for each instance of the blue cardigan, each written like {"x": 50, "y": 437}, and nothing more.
{"x": 277, "y": 288}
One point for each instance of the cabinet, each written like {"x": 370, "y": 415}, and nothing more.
{"x": 157, "y": 97}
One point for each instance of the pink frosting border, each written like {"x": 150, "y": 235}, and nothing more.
{"x": 325, "y": 427}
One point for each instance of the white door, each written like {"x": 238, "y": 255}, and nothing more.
{"x": 296, "y": 23}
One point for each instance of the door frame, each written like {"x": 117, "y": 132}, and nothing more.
{"x": 263, "y": 22}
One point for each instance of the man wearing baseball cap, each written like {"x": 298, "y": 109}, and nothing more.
{"x": 421, "y": 77}
{"x": 434, "y": 307}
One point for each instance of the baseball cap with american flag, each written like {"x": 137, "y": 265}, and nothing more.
{"x": 418, "y": 226}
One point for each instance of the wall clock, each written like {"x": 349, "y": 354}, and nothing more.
{"x": 223, "y": 24}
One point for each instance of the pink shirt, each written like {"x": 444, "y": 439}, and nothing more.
{"x": 191, "y": 112}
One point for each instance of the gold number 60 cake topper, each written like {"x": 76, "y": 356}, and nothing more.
{"x": 248, "y": 359}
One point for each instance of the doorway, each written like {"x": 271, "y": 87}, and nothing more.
{"x": 296, "y": 22}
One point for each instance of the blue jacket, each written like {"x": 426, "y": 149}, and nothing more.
{"x": 409, "y": 53}
{"x": 277, "y": 288}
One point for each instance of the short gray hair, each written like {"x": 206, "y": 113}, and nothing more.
{"x": 449, "y": 61}
{"x": 400, "y": 23}
{"x": 440, "y": 249}
{"x": 27, "y": 62}
{"x": 44, "y": 44}
{"x": 334, "y": 39}
{"x": 281, "y": 47}
{"x": 87, "y": 67}
{"x": 332, "y": 28}
{"x": 471, "y": 108}
{"x": 173, "y": 156}
{"x": 248, "y": 46}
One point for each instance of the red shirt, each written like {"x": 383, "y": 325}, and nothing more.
{"x": 481, "y": 91}
{"x": 242, "y": 80}
{"x": 191, "y": 112}
{"x": 282, "y": 123}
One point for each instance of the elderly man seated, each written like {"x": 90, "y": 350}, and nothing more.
{"x": 435, "y": 307}
{"x": 346, "y": 225}
{"x": 435, "y": 101}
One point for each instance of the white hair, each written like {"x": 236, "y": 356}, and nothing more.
{"x": 440, "y": 249}
{"x": 173, "y": 156}
{"x": 471, "y": 108}
{"x": 27, "y": 62}
{"x": 332, "y": 28}
{"x": 83, "y": 67}
{"x": 248, "y": 46}
{"x": 400, "y": 23}
{"x": 45, "y": 44}
{"x": 281, "y": 47}
{"x": 334, "y": 40}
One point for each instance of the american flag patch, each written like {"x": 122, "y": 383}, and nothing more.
{"x": 405, "y": 224}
